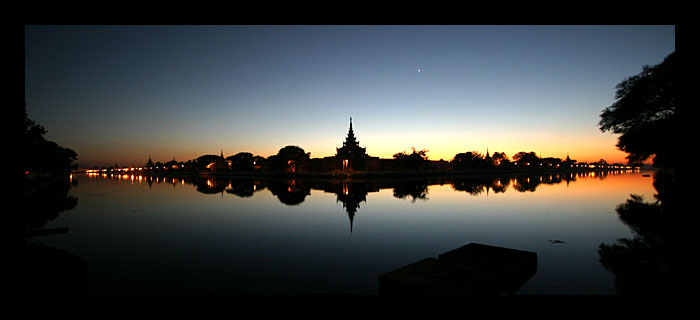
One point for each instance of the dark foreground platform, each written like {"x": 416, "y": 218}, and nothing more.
{"x": 473, "y": 269}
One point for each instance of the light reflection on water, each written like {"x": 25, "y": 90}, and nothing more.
{"x": 161, "y": 234}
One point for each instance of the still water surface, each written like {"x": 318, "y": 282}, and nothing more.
{"x": 153, "y": 235}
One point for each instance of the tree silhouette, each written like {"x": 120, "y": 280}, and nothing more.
{"x": 468, "y": 160}
{"x": 209, "y": 162}
{"x": 289, "y": 159}
{"x": 500, "y": 158}
{"x": 242, "y": 161}
{"x": 413, "y": 161}
{"x": 526, "y": 158}
{"x": 41, "y": 155}
{"x": 644, "y": 114}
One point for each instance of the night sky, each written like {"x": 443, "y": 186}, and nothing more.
{"x": 119, "y": 94}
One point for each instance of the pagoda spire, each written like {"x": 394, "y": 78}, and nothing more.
{"x": 351, "y": 218}
{"x": 350, "y": 140}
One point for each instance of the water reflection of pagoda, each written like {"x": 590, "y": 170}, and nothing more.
{"x": 351, "y": 194}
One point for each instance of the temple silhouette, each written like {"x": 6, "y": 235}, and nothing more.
{"x": 352, "y": 156}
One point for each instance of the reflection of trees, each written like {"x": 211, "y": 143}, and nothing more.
{"x": 211, "y": 185}
{"x": 477, "y": 185}
{"x": 524, "y": 184}
{"x": 243, "y": 187}
{"x": 646, "y": 264}
{"x": 44, "y": 200}
{"x": 499, "y": 184}
{"x": 470, "y": 186}
{"x": 289, "y": 192}
{"x": 417, "y": 189}
{"x": 48, "y": 270}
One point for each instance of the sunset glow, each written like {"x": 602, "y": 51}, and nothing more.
{"x": 119, "y": 94}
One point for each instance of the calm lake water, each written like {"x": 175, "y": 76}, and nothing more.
{"x": 153, "y": 235}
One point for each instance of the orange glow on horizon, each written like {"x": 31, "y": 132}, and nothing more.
{"x": 440, "y": 145}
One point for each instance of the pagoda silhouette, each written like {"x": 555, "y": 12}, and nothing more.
{"x": 352, "y": 156}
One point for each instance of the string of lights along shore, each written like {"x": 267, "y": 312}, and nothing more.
{"x": 118, "y": 95}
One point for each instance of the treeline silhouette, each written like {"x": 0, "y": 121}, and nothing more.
{"x": 294, "y": 159}
{"x": 47, "y": 167}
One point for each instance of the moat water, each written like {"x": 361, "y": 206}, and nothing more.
{"x": 169, "y": 235}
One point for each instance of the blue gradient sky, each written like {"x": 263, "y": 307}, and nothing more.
{"x": 117, "y": 94}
